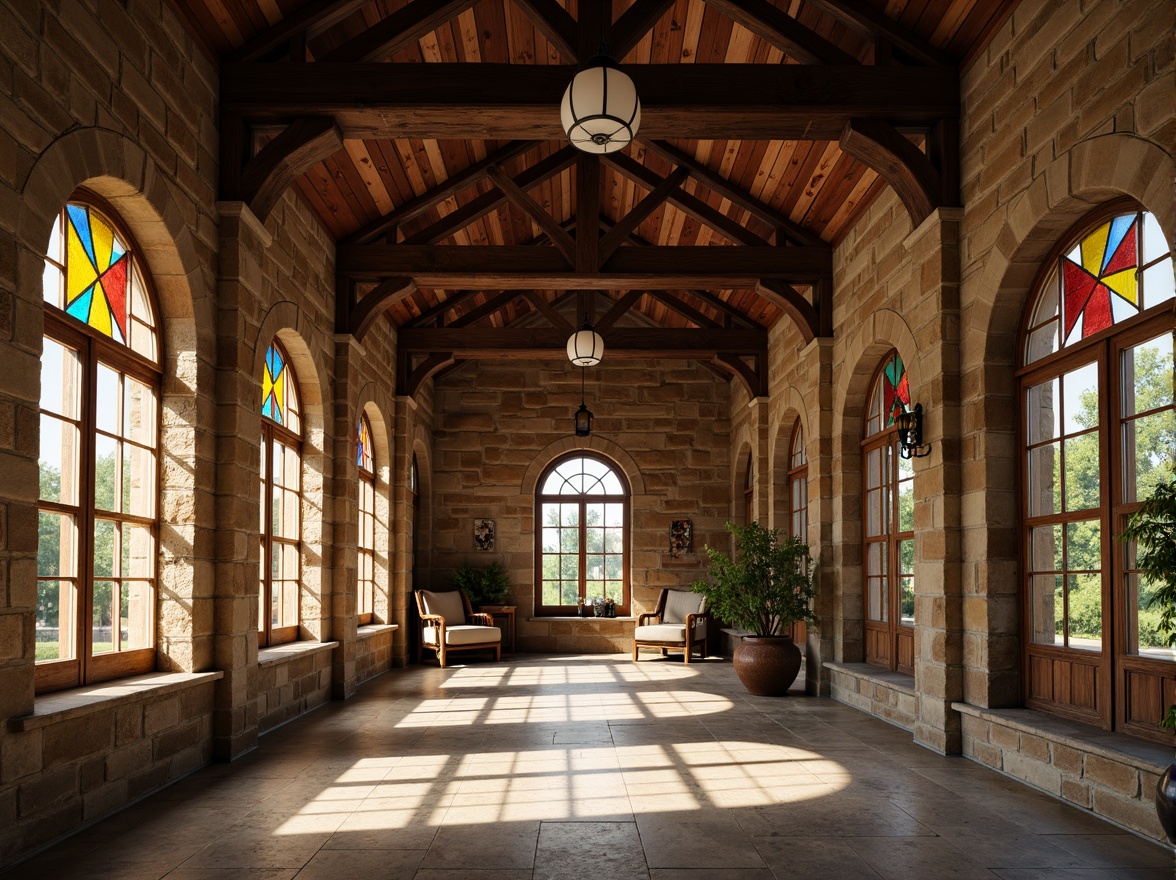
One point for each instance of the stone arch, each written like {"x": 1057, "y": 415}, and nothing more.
{"x": 1091, "y": 173}
{"x": 791, "y": 409}
{"x": 181, "y": 273}
{"x": 743, "y": 445}
{"x": 382, "y": 452}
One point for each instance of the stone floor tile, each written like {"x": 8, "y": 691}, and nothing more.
{"x": 590, "y": 851}
{"x": 701, "y": 839}
{"x": 1057, "y": 874}
{"x": 814, "y": 857}
{"x": 917, "y": 858}
{"x": 370, "y": 864}
{"x": 1116, "y": 851}
{"x": 484, "y": 846}
{"x": 714, "y": 874}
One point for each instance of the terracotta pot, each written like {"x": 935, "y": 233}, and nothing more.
{"x": 1166, "y": 801}
{"x": 767, "y": 665}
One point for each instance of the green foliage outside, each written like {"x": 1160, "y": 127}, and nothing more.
{"x": 766, "y": 586}
{"x": 604, "y": 554}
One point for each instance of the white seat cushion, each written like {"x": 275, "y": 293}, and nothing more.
{"x": 448, "y": 605}
{"x": 668, "y": 632}
{"x": 679, "y": 603}
{"x": 455, "y": 636}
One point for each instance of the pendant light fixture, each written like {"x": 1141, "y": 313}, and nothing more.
{"x": 583, "y": 414}
{"x": 585, "y": 346}
{"x": 600, "y": 110}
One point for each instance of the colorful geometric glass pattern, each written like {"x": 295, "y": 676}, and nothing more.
{"x": 1103, "y": 265}
{"x": 273, "y": 386}
{"x": 896, "y": 390}
{"x": 97, "y": 276}
{"x": 363, "y": 446}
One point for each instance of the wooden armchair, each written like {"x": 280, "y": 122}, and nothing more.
{"x": 681, "y": 619}
{"x": 449, "y": 624}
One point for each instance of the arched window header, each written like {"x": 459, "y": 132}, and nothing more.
{"x": 279, "y": 394}
{"x": 1103, "y": 276}
{"x": 890, "y": 397}
{"x": 582, "y": 476}
{"x": 92, "y": 274}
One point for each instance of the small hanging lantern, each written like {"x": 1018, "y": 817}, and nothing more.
{"x": 585, "y": 347}
{"x": 583, "y": 420}
{"x": 600, "y": 110}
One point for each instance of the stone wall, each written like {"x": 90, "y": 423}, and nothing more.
{"x": 498, "y": 425}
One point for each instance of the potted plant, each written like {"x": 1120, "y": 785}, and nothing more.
{"x": 1153, "y": 529}
{"x": 484, "y": 586}
{"x": 764, "y": 588}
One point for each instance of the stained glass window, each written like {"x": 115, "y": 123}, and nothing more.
{"x": 891, "y": 395}
{"x": 1108, "y": 275}
{"x": 363, "y": 446}
{"x": 279, "y": 397}
{"x": 91, "y": 274}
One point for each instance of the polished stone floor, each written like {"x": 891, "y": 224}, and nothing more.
{"x": 595, "y": 767}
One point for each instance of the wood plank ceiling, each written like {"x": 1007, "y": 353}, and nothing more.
{"x": 799, "y": 192}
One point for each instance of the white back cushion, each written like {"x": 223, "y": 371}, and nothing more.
{"x": 448, "y": 605}
{"x": 679, "y": 603}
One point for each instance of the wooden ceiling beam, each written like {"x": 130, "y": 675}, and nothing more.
{"x": 411, "y": 376}
{"x": 553, "y": 21}
{"x": 541, "y": 268}
{"x": 487, "y": 202}
{"x": 755, "y": 380}
{"x": 550, "y": 342}
{"x": 622, "y": 305}
{"x": 712, "y": 180}
{"x": 439, "y": 310}
{"x": 634, "y": 23}
{"x": 587, "y": 205}
{"x": 380, "y": 298}
{"x": 692, "y": 205}
{"x": 878, "y": 145}
{"x": 398, "y": 30}
{"x": 650, "y": 203}
{"x": 508, "y": 101}
{"x": 492, "y": 305}
{"x": 686, "y": 311}
{"x": 519, "y": 197}
{"x": 786, "y": 297}
{"x": 544, "y": 307}
{"x": 874, "y": 23}
{"x": 783, "y": 31}
{"x": 453, "y": 185}
{"x": 306, "y": 23}
{"x": 299, "y": 147}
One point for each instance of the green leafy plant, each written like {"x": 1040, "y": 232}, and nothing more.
{"x": 1153, "y": 529}
{"x": 484, "y": 586}
{"x": 766, "y": 586}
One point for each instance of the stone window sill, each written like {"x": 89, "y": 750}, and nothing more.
{"x": 374, "y": 629}
{"x": 899, "y": 681}
{"x": 1120, "y": 747}
{"x": 580, "y": 619}
{"x": 291, "y": 651}
{"x": 79, "y": 702}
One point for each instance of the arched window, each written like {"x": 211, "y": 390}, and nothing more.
{"x": 749, "y": 491}
{"x": 798, "y": 484}
{"x": 1098, "y": 432}
{"x": 889, "y": 513}
{"x": 281, "y": 500}
{"x": 98, "y": 521}
{"x": 365, "y": 462}
{"x": 583, "y": 550}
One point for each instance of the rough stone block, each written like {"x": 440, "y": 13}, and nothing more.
{"x": 1114, "y": 775}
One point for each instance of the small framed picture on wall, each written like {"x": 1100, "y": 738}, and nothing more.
{"x": 484, "y": 534}
{"x": 681, "y": 537}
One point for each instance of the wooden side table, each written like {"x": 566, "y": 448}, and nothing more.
{"x": 505, "y": 611}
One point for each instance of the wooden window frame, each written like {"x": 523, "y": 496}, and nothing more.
{"x": 888, "y": 643}
{"x": 749, "y": 491}
{"x": 798, "y": 507}
{"x": 366, "y": 539}
{"x": 273, "y": 434}
{"x": 94, "y": 348}
{"x": 1125, "y": 689}
{"x": 623, "y": 607}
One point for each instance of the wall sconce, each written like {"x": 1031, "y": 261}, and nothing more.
{"x": 910, "y": 433}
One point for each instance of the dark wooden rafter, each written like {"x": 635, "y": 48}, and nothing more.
{"x": 880, "y": 146}
{"x": 509, "y": 101}
{"x": 873, "y": 23}
{"x": 650, "y": 203}
{"x": 413, "y": 370}
{"x": 714, "y": 181}
{"x": 548, "y": 311}
{"x": 754, "y": 378}
{"x": 462, "y": 180}
{"x": 494, "y": 304}
{"x": 437, "y": 312}
{"x": 301, "y": 25}
{"x": 553, "y": 21}
{"x": 519, "y": 197}
{"x": 551, "y": 342}
{"x": 785, "y": 296}
{"x": 297, "y": 148}
{"x": 521, "y": 267}
{"x": 399, "y": 30}
{"x": 487, "y": 202}
{"x": 783, "y": 31}
{"x": 686, "y": 310}
{"x": 634, "y": 23}
{"x": 361, "y": 315}
{"x": 587, "y": 205}
{"x": 626, "y": 302}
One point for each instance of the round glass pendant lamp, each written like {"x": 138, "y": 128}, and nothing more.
{"x": 585, "y": 347}
{"x": 600, "y": 110}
